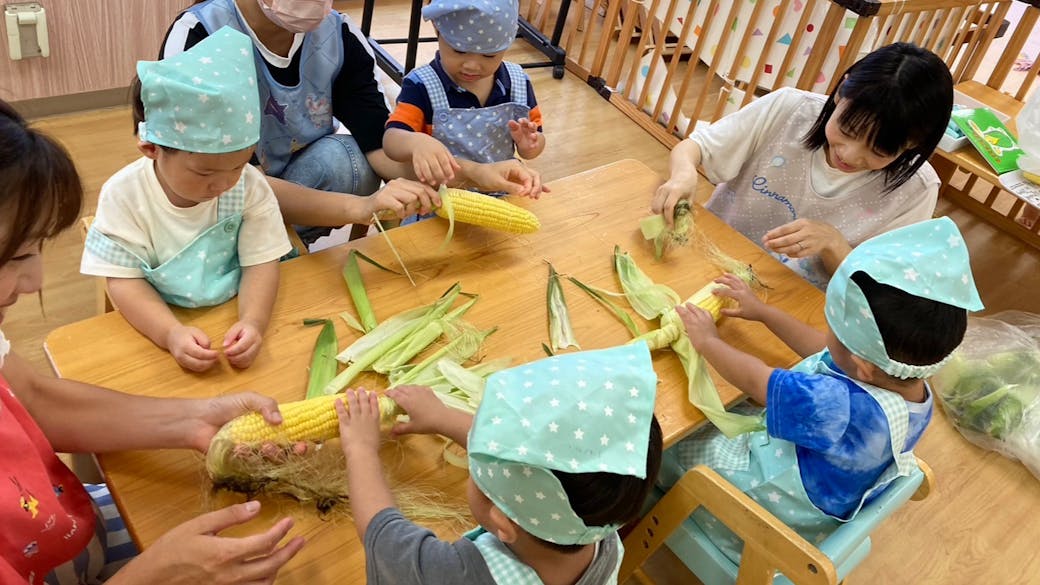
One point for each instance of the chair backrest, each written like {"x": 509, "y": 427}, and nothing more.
{"x": 769, "y": 545}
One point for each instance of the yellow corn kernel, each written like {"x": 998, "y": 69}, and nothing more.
{"x": 487, "y": 211}
{"x": 313, "y": 419}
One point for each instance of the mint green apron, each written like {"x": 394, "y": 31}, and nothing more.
{"x": 506, "y": 568}
{"x": 204, "y": 273}
{"x": 766, "y": 468}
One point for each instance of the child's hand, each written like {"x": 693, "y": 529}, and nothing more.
{"x": 359, "y": 423}
{"x": 802, "y": 238}
{"x": 432, "y": 162}
{"x": 749, "y": 307}
{"x": 700, "y": 326}
{"x": 242, "y": 344}
{"x": 525, "y": 135}
{"x": 512, "y": 176}
{"x": 191, "y": 348}
{"x": 425, "y": 410}
{"x": 669, "y": 194}
{"x": 403, "y": 197}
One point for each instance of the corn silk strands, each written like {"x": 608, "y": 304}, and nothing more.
{"x": 656, "y": 299}
{"x": 654, "y": 228}
{"x": 561, "y": 335}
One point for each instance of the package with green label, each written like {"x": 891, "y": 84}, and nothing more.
{"x": 990, "y": 136}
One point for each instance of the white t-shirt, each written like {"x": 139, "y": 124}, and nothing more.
{"x": 766, "y": 177}
{"x": 134, "y": 211}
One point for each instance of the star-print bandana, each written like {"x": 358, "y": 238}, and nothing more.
{"x": 927, "y": 259}
{"x": 204, "y": 99}
{"x": 580, "y": 412}
{"x": 475, "y": 26}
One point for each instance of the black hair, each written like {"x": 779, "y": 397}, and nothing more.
{"x": 898, "y": 97}
{"x": 916, "y": 331}
{"x": 40, "y": 190}
{"x": 601, "y": 498}
{"x": 137, "y": 110}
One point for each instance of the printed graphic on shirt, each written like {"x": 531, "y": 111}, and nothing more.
{"x": 26, "y": 500}
{"x": 319, "y": 110}
{"x": 273, "y": 108}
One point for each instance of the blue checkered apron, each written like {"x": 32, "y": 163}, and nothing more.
{"x": 476, "y": 134}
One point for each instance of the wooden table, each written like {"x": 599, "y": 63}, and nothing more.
{"x": 583, "y": 218}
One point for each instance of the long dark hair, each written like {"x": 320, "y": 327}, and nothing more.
{"x": 899, "y": 96}
{"x": 40, "y": 190}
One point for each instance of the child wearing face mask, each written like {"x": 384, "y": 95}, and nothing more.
{"x": 466, "y": 104}
{"x": 192, "y": 223}
{"x": 808, "y": 176}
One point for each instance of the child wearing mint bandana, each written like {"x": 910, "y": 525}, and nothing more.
{"x": 191, "y": 223}
{"x": 562, "y": 452}
{"x": 842, "y": 423}
{"x": 467, "y": 103}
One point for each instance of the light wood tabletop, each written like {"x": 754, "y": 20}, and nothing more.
{"x": 583, "y": 218}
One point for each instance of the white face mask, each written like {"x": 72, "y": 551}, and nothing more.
{"x": 298, "y": 16}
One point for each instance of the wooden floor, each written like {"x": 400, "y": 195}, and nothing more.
{"x": 980, "y": 526}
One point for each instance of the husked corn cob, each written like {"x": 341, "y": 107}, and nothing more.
{"x": 313, "y": 419}
{"x": 487, "y": 211}
{"x": 671, "y": 325}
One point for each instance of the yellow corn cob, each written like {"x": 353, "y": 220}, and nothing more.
{"x": 671, "y": 325}
{"x": 313, "y": 419}
{"x": 487, "y": 211}
{"x": 1031, "y": 177}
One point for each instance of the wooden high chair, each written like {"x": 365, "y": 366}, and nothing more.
{"x": 769, "y": 545}
{"x": 104, "y": 302}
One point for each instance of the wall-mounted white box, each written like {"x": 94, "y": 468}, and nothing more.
{"x": 26, "y": 27}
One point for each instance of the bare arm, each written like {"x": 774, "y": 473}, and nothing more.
{"x": 359, "y": 440}
{"x": 82, "y": 418}
{"x": 427, "y": 414}
{"x": 801, "y": 337}
{"x": 682, "y": 179}
{"x": 257, "y": 293}
{"x": 746, "y": 372}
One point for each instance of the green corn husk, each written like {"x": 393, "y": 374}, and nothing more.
{"x": 352, "y": 322}
{"x": 411, "y": 320}
{"x": 419, "y": 340}
{"x": 601, "y": 296}
{"x": 649, "y": 299}
{"x": 358, "y": 294}
{"x": 654, "y": 228}
{"x": 561, "y": 336}
{"x": 701, "y": 391}
{"x": 323, "y": 360}
{"x": 464, "y": 345}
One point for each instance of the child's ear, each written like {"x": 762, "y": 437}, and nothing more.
{"x": 501, "y": 526}
{"x": 865, "y": 371}
{"x": 148, "y": 149}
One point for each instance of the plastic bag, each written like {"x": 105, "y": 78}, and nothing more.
{"x": 990, "y": 388}
{"x": 1028, "y": 123}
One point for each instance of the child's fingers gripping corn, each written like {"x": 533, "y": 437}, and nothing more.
{"x": 310, "y": 420}
{"x": 486, "y": 211}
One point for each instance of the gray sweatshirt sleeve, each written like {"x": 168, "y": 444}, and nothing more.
{"x": 399, "y": 552}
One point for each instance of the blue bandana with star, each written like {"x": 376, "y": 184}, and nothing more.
{"x": 580, "y": 412}
{"x": 205, "y": 99}
{"x": 927, "y": 259}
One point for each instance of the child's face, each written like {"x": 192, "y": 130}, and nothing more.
{"x": 851, "y": 154}
{"x": 189, "y": 178}
{"x": 22, "y": 274}
{"x": 467, "y": 69}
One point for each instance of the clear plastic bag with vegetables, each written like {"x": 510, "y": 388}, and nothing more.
{"x": 990, "y": 388}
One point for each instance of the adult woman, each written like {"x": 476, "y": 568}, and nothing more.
{"x": 51, "y": 531}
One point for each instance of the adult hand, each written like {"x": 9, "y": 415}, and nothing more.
{"x": 402, "y": 197}
{"x": 524, "y": 133}
{"x": 359, "y": 423}
{"x": 432, "y": 161}
{"x": 190, "y": 346}
{"x": 213, "y": 413}
{"x": 194, "y": 553}
{"x": 802, "y": 238}
{"x": 678, "y": 187}
{"x": 699, "y": 324}
{"x": 511, "y": 176}
{"x": 242, "y": 344}
{"x": 749, "y": 306}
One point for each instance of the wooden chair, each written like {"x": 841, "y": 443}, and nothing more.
{"x": 769, "y": 545}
